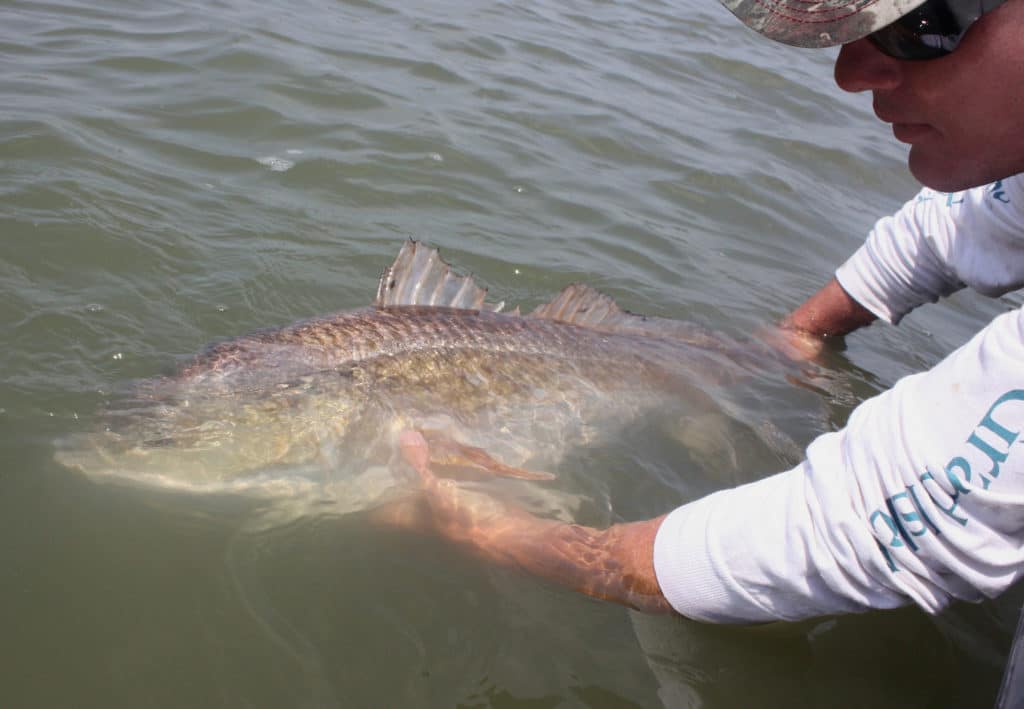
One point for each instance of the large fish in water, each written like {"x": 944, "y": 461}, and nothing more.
{"x": 318, "y": 406}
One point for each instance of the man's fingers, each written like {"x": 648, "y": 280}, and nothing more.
{"x": 415, "y": 451}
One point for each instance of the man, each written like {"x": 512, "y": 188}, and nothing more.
{"x": 921, "y": 497}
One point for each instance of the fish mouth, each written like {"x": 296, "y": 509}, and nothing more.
{"x": 110, "y": 459}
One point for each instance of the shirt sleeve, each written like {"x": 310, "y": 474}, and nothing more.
{"x": 920, "y": 498}
{"x": 938, "y": 243}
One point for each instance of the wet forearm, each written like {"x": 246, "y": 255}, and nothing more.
{"x": 615, "y": 564}
{"x": 829, "y": 312}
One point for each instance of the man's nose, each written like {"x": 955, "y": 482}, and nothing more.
{"x": 861, "y": 66}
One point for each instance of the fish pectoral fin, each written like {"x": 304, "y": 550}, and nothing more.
{"x": 463, "y": 461}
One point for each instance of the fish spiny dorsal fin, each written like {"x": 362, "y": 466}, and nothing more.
{"x": 419, "y": 276}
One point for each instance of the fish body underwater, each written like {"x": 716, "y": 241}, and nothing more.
{"x": 317, "y": 406}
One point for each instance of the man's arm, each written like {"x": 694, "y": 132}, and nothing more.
{"x": 613, "y": 564}
{"x": 829, "y": 312}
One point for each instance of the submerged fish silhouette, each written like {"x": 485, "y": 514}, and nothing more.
{"x": 316, "y": 405}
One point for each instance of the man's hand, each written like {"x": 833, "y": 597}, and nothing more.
{"x": 830, "y": 312}
{"x": 794, "y": 345}
{"x": 615, "y": 564}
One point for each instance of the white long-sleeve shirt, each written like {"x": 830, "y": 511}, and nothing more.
{"x": 920, "y": 498}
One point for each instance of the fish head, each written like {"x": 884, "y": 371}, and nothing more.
{"x": 207, "y": 436}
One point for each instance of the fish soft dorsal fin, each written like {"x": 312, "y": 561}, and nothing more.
{"x": 419, "y": 276}
{"x": 584, "y": 306}
{"x": 580, "y": 304}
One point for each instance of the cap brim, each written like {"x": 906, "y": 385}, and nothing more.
{"x": 819, "y": 24}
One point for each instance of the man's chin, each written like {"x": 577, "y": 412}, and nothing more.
{"x": 938, "y": 174}
{"x": 944, "y": 175}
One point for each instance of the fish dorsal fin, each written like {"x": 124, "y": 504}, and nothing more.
{"x": 419, "y": 276}
{"x": 581, "y": 305}
{"x": 584, "y": 306}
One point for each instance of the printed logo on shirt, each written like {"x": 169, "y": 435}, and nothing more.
{"x": 931, "y": 504}
{"x": 995, "y": 192}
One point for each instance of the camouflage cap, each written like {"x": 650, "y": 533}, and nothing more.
{"x": 819, "y": 23}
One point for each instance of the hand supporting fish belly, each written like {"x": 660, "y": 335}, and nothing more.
{"x": 449, "y": 453}
{"x": 612, "y": 564}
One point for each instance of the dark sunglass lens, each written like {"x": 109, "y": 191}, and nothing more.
{"x": 930, "y": 31}
{"x": 901, "y": 43}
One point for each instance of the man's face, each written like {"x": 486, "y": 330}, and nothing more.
{"x": 962, "y": 114}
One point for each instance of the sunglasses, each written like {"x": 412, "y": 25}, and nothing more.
{"x": 932, "y": 30}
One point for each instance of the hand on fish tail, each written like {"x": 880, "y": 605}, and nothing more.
{"x": 609, "y": 564}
